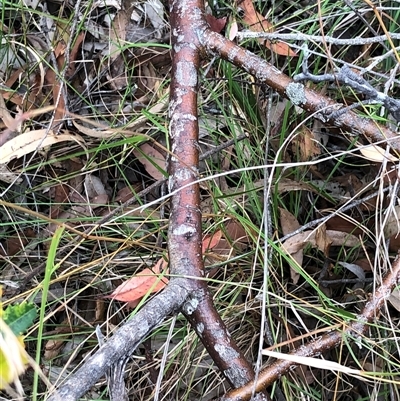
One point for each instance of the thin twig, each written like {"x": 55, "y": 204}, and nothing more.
{"x": 328, "y": 341}
{"x": 315, "y": 38}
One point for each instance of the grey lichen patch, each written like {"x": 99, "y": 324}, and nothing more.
{"x": 237, "y": 376}
{"x": 200, "y": 328}
{"x": 179, "y": 37}
{"x": 177, "y": 126}
{"x": 183, "y": 230}
{"x": 226, "y": 353}
{"x": 183, "y": 174}
{"x": 296, "y": 93}
{"x": 190, "y": 306}
{"x": 219, "y": 332}
{"x": 189, "y": 117}
{"x": 186, "y": 74}
{"x": 98, "y": 359}
{"x": 182, "y": 45}
{"x": 232, "y": 54}
{"x": 263, "y": 74}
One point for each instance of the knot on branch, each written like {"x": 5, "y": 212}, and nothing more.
{"x": 193, "y": 301}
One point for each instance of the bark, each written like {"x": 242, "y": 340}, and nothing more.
{"x": 185, "y": 231}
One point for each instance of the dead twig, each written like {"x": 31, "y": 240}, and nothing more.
{"x": 124, "y": 341}
{"x": 328, "y": 341}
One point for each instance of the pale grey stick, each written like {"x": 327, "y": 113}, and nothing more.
{"x": 315, "y": 38}
{"x": 124, "y": 341}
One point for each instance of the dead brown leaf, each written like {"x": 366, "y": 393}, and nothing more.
{"x": 305, "y": 145}
{"x": 394, "y": 299}
{"x": 298, "y": 242}
{"x": 258, "y": 23}
{"x": 148, "y": 280}
{"x": 392, "y": 227}
{"x": 322, "y": 240}
{"x": 216, "y": 24}
{"x": 287, "y": 185}
{"x": 30, "y": 141}
{"x": 290, "y": 224}
{"x": 152, "y": 160}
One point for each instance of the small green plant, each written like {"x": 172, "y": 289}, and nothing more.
{"x": 14, "y": 321}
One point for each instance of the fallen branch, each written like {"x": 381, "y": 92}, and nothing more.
{"x": 185, "y": 228}
{"x": 124, "y": 341}
{"x": 322, "y": 107}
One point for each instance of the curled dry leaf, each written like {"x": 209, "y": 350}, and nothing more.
{"x": 287, "y": 185}
{"x": 299, "y": 241}
{"x": 31, "y": 141}
{"x": 102, "y": 131}
{"x": 377, "y": 154}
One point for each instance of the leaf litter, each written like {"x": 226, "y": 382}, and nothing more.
{"x": 74, "y": 144}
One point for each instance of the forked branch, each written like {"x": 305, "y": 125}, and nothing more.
{"x": 192, "y": 39}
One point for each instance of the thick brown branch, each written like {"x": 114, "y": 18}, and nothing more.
{"x": 220, "y": 345}
{"x": 185, "y": 231}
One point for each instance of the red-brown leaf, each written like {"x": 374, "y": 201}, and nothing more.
{"x": 258, "y": 23}
{"x": 211, "y": 241}
{"x": 144, "y": 282}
